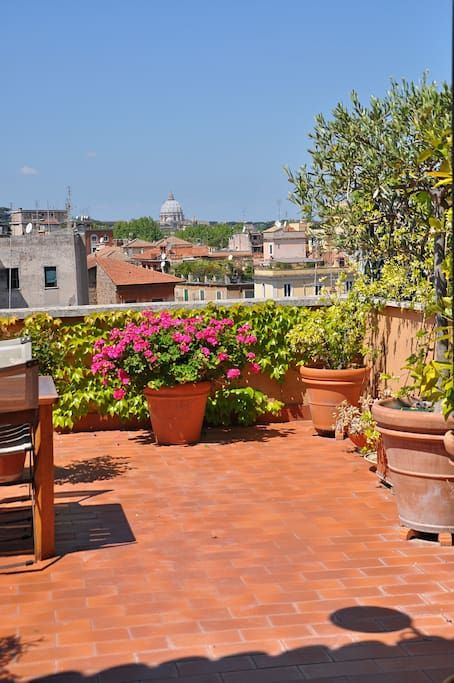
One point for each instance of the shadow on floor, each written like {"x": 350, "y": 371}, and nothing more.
{"x": 15, "y": 529}
{"x": 414, "y": 657}
{"x": 100, "y": 468}
{"x": 350, "y": 664}
{"x": 226, "y": 435}
{"x": 90, "y": 527}
{"x": 77, "y": 527}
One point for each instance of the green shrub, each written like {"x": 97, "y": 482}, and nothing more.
{"x": 64, "y": 350}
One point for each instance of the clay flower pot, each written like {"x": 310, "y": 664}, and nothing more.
{"x": 448, "y": 440}
{"x": 11, "y": 467}
{"x": 177, "y": 412}
{"x": 359, "y": 440}
{"x": 422, "y": 470}
{"x": 326, "y": 389}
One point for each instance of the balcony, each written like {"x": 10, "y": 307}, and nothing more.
{"x": 262, "y": 554}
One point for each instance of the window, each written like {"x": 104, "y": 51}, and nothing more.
{"x": 218, "y": 294}
{"x": 50, "y": 276}
{"x": 287, "y": 290}
{"x": 202, "y": 294}
{"x": 270, "y": 247}
{"x": 186, "y": 294}
{"x": 318, "y": 290}
{"x": 348, "y": 285}
{"x": 94, "y": 238}
{"x": 12, "y": 278}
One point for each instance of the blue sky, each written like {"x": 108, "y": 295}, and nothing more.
{"x": 127, "y": 100}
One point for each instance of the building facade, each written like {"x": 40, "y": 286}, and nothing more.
{"x": 41, "y": 220}
{"x": 213, "y": 290}
{"x": 282, "y": 242}
{"x": 299, "y": 281}
{"x": 96, "y": 238}
{"x": 5, "y": 221}
{"x": 39, "y": 270}
{"x": 112, "y": 281}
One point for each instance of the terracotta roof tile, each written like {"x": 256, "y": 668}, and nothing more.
{"x": 122, "y": 273}
{"x": 175, "y": 252}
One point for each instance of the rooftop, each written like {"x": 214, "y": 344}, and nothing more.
{"x": 260, "y": 555}
{"x": 122, "y": 273}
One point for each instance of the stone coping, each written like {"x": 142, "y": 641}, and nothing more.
{"x": 81, "y": 311}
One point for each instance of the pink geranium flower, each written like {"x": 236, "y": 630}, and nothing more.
{"x": 233, "y": 373}
{"x": 163, "y": 349}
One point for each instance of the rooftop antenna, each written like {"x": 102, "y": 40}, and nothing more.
{"x": 279, "y": 202}
{"x": 68, "y": 207}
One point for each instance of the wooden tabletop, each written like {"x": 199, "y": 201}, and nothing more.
{"x": 47, "y": 392}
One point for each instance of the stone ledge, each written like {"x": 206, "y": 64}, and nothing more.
{"x": 82, "y": 311}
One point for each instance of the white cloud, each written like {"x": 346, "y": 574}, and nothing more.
{"x": 28, "y": 170}
{"x": 91, "y": 154}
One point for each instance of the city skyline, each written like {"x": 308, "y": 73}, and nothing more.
{"x": 127, "y": 102}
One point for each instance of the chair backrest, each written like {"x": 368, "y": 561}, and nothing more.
{"x": 15, "y": 351}
{"x": 19, "y": 387}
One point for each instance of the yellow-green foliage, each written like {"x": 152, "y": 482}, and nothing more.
{"x": 64, "y": 350}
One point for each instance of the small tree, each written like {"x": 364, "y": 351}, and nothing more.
{"x": 212, "y": 235}
{"x": 369, "y": 181}
{"x": 144, "y": 228}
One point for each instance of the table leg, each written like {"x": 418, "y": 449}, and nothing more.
{"x": 44, "y": 522}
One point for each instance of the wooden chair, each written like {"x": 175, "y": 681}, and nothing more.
{"x": 18, "y": 418}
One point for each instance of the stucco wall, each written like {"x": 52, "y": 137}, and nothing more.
{"x": 210, "y": 292}
{"x": 393, "y": 336}
{"x": 31, "y": 254}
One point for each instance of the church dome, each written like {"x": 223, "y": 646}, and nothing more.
{"x": 171, "y": 210}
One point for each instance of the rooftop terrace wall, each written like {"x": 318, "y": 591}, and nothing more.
{"x": 392, "y": 333}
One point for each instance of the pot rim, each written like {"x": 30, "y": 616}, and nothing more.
{"x": 409, "y": 420}
{"x": 320, "y": 373}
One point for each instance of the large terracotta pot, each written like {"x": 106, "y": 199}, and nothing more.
{"x": 448, "y": 441}
{"x": 177, "y": 412}
{"x": 11, "y": 467}
{"x": 422, "y": 471}
{"x": 326, "y": 389}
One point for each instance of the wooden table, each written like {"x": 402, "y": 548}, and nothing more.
{"x": 44, "y": 523}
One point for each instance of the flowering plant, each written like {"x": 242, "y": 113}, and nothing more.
{"x": 163, "y": 350}
{"x": 358, "y": 421}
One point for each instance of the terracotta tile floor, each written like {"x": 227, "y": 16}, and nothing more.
{"x": 261, "y": 555}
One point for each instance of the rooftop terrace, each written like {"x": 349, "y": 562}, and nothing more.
{"x": 260, "y": 555}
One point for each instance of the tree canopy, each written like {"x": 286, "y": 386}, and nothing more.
{"x": 201, "y": 268}
{"x": 369, "y": 182}
{"x": 212, "y": 235}
{"x": 144, "y": 228}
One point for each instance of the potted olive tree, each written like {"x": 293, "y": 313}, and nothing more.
{"x": 418, "y": 446}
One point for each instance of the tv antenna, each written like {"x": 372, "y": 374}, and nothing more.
{"x": 279, "y": 202}
{"x": 29, "y": 228}
{"x": 68, "y": 207}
